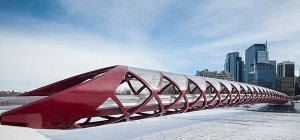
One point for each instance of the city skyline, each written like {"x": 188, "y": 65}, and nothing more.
{"x": 44, "y": 41}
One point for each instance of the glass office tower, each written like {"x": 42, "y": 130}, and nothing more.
{"x": 259, "y": 70}
{"x": 235, "y": 66}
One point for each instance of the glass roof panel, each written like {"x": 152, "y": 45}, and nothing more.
{"x": 180, "y": 79}
{"x": 250, "y": 87}
{"x": 226, "y": 84}
{"x": 214, "y": 82}
{"x": 244, "y": 86}
{"x": 150, "y": 76}
{"x": 199, "y": 81}
{"x": 236, "y": 85}
{"x": 256, "y": 88}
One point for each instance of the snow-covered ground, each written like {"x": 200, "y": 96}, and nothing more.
{"x": 19, "y": 133}
{"x": 218, "y": 123}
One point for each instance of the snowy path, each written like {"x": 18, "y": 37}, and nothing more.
{"x": 219, "y": 123}
{"x": 250, "y": 126}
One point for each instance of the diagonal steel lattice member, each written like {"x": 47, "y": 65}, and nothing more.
{"x": 121, "y": 93}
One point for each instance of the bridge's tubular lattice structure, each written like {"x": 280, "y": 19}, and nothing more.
{"x": 120, "y": 93}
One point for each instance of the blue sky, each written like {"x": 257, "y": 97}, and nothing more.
{"x": 42, "y": 41}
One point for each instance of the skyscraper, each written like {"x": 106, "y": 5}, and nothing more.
{"x": 259, "y": 70}
{"x": 235, "y": 66}
{"x": 285, "y": 77}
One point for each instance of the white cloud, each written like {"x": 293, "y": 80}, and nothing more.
{"x": 35, "y": 61}
{"x": 122, "y": 19}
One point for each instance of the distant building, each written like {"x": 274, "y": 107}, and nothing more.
{"x": 235, "y": 66}
{"x": 224, "y": 75}
{"x": 259, "y": 70}
{"x": 297, "y": 85}
{"x": 206, "y": 73}
{"x": 286, "y": 77}
{"x": 214, "y": 74}
{"x": 251, "y": 57}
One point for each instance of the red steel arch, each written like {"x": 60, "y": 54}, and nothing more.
{"x": 121, "y": 93}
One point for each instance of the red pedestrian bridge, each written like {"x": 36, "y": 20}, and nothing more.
{"x": 121, "y": 93}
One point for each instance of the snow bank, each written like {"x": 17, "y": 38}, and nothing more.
{"x": 19, "y": 133}
{"x": 249, "y": 126}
